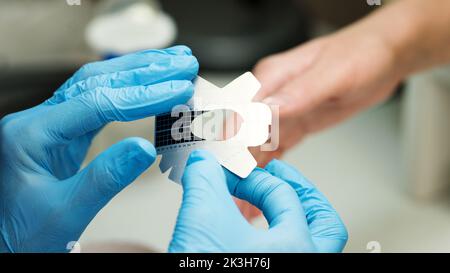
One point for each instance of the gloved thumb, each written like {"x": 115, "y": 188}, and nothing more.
{"x": 206, "y": 206}
{"x": 113, "y": 170}
{"x": 204, "y": 176}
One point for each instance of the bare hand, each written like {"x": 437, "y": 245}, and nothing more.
{"x": 323, "y": 82}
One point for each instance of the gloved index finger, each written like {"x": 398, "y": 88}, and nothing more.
{"x": 275, "y": 198}
{"x": 232, "y": 180}
{"x": 165, "y": 69}
{"x": 124, "y": 63}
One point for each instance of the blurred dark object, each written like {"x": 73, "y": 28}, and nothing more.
{"x": 24, "y": 88}
{"x": 235, "y": 34}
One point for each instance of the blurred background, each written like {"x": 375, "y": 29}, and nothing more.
{"x": 386, "y": 171}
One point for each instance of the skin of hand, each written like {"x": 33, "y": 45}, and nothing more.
{"x": 325, "y": 81}
{"x": 249, "y": 211}
{"x": 331, "y": 78}
{"x": 319, "y": 84}
{"x": 46, "y": 200}
{"x": 300, "y": 218}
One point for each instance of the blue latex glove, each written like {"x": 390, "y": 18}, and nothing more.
{"x": 299, "y": 216}
{"x": 45, "y": 201}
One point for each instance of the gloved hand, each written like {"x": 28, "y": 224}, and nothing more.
{"x": 299, "y": 216}
{"x": 45, "y": 201}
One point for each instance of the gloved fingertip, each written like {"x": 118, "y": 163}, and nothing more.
{"x": 182, "y": 85}
{"x": 116, "y": 168}
{"x": 194, "y": 65}
{"x": 287, "y": 173}
{"x": 184, "y": 90}
{"x": 199, "y": 155}
{"x": 276, "y": 166}
{"x": 230, "y": 175}
{"x": 254, "y": 177}
{"x": 202, "y": 170}
{"x": 179, "y": 50}
{"x": 232, "y": 180}
{"x": 146, "y": 147}
{"x": 257, "y": 171}
{"x": 272, "y": 164}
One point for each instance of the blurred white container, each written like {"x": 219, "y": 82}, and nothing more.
{"x": 122, "y": 27}
{"x": 427, "y": 133}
